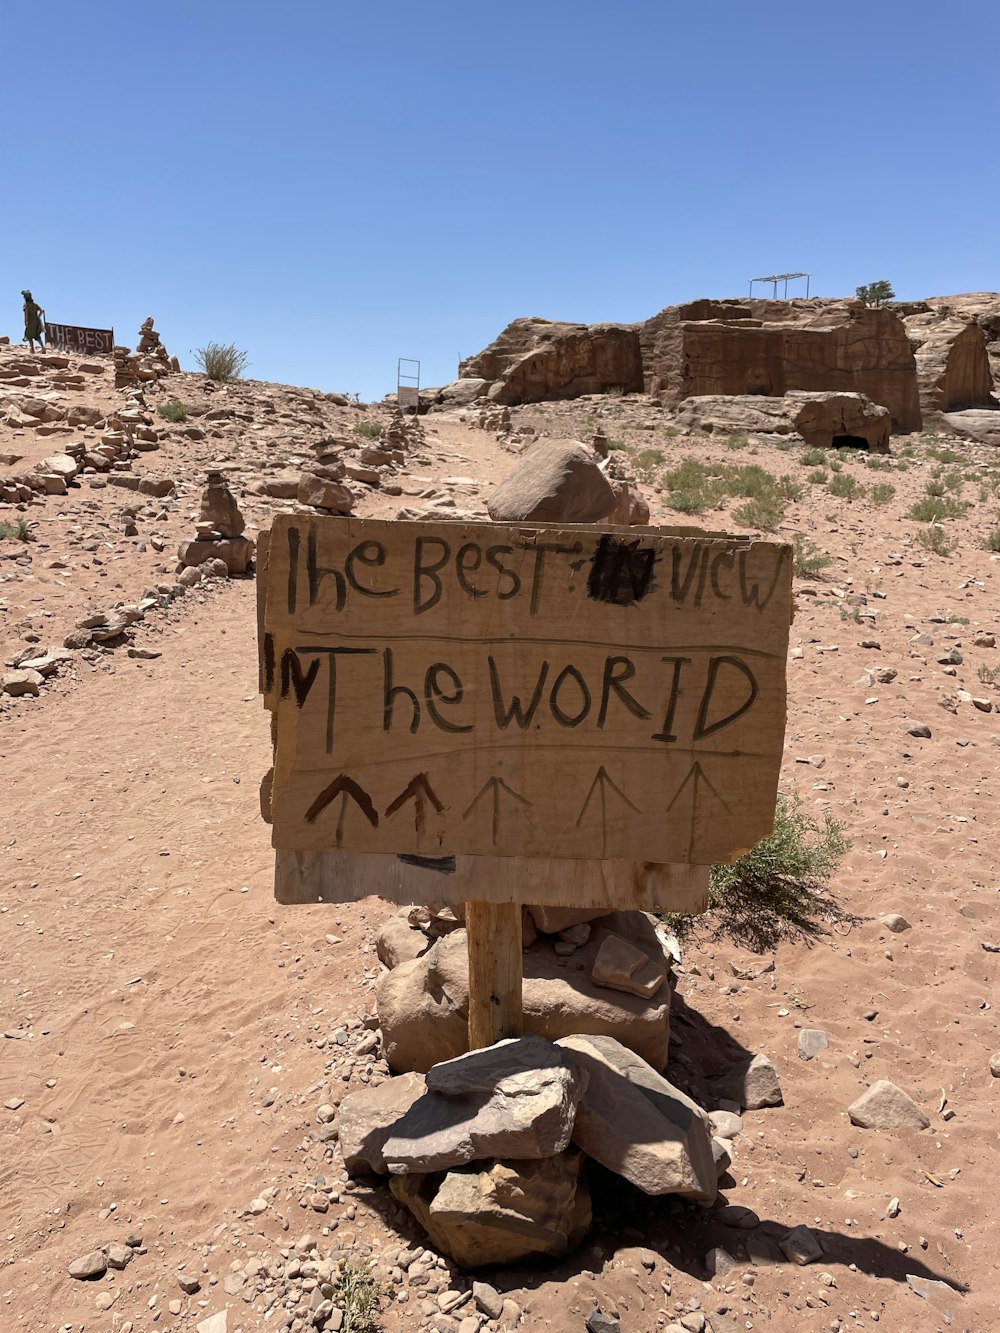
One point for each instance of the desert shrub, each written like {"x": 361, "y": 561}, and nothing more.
{"x": 813, "y": 457}
{"x": 780, "y": 887}
{"x": 818, "y": 476}
{"x": 222, "y": 361}
{"x": 935, "y": 487}
{"x": 935, "y": 508}
{"x": 809, "y": 559}
{"x": 835, "y": 465}
{"x": 943, "y": 455}
{"x": 988, "y": 675}
{"x": 646, "y": 461}
{"x": 790, "y": 489}
{"x": 881, "y": 494}
{"x": 357, "y": 1291}
{"x": 991, "y": 542}
{"x": 614, "y": 445}
{"x": 15, "y": 529}
{"x": 751, "y": 481}
{"x": 953, "y": 481}
{"x": 370, "y": 430}
{"x": 878, "y": 463}
{"x": 173, "y": 411}
{"x": 764, "y": 513}
{"x": 735, "y": 442}
{"x": 844, "y": 487}
{"x": 933, "y": 538}
{"x": 686, "y": 502}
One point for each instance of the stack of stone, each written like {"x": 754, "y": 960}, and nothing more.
{"x": 488, "y": 1149}
{"x": 320, "y": 484}
{"x": 219, "y": 530}
{"x": 124, "y": 368}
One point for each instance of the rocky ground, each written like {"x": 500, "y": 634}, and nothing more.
{"x": 175, "y": 1044}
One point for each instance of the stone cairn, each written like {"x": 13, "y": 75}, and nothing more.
{"x": 219, "y": 532}
{"x": 150, "y": 362}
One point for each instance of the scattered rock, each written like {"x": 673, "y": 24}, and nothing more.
{"x": 811, "y": 1042}
{"x": 619, "y": 965}
{"x": 801, "y": 1246}
{"x": 119, "y": 1256}
{"x": 885, "y": 1106}
{"x": 894, "y": 922}
{"x": 488, "y": 1299}
{"x": 753, "y": 1084}
{"x": 556, "y": 481}
{"x": 89, "y": 1266}
{"x": 919, "y": 729}
{"x": 598, "y": 1322}
{"x": 725, "y": 1124}
{"x": 17, "y": 683}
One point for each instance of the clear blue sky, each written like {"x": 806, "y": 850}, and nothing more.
{"x": 331, "y": 185}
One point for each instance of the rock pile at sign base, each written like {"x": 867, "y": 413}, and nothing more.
{"x": 423, "y": 1002}
{"x": 488, "y": 1151}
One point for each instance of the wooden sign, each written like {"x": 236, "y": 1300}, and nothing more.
{"x": 75, "y": 338}
{"x": 501, "y": 690}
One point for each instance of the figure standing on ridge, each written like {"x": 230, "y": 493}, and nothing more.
{"x": 34, "y": 322}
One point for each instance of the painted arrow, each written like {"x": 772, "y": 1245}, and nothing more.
{"x": 347, "y": 789}
{"x": 696, "y": 778}
{"x": 495, "y": 785}
{"x": 419, "y": 791}
{"x": 601, "y": 783}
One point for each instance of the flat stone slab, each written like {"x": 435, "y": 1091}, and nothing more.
{"x": 635, "y": 1123}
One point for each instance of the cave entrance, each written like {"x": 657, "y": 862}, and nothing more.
{"x": 849, "y": 442}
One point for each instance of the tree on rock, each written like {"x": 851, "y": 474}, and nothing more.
{"x": 876, "y": 293}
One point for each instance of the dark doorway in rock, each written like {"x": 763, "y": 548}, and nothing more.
{"x": 849, "y": 442}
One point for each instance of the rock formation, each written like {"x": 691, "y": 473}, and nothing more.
{"x": 219, "y": 530}
{"x": 767, "y": 348}
{"x": 821, "y": 419}
{"x": 539, "y": 359}
{"x": 953, "y": 368}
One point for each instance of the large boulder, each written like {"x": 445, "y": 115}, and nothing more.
{"x": 516, "y": 1099}
{"x": 638, "y": 1125}
{"x": 502, "y": 1212}
{"x": 555, "y": 481}
{"x": 821, "y": 419}
{"x": 423, "y": 1005}
{"x": 766, "y": 348}
{"x": 536, "y": 360}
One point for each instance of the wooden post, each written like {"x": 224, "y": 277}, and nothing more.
{"x": 495, "y": 969}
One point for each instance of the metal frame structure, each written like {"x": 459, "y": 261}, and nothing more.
{"x": 786, "y": 278}
{"x": 407, "y": 384}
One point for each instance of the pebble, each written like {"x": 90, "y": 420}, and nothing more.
{"x": 188, "y": 1283}
{"x": 725, "y": 1124}
{"x": 811, "y": 1042}
{"x": 800, "y": 1246}
{"x": 13, "y": 1103}
{"x": 995, "y": 1065}
{"x": 488, "y": 1299}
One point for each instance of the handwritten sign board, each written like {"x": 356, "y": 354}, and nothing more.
{"x": 502, "y": 690}
{"x": 75, "y": 338}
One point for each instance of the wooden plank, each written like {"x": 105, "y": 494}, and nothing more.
{"x": 341, "y": 877}
{"x": 494, "y": 935}
{"x": 504, "y": 690}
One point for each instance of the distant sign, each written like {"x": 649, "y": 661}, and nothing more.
{"x": 407, "y": 396}
{"x": 75, "y": 338}
{"x": 513, "y": 691}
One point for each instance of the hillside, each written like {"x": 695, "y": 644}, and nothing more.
{"x": 170, "y": 1033}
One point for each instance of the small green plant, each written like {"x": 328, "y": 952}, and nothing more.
{"x": 357, "y": 1292}
{"x": 818, "y": 476}
{"x": 935, "y": 487}
{"x": 222, "y": 361}
{"x": 844, "y": 487}
{"x": 735, "y": 442}
{"x": 943, "y": 455}
{"x": 764, "y": 513}
{"x": 646, "y": 461}
{"x": 614, "y": 391}
{"x": 686, "y": 502}
{"x": 953, "y": 619}
{"x": 780, "y": 887}
{"x": 15, "y": 529}
{"x": 809, "y": 559}
{"x": 875, "y": 293}
{"x": 935, "y": 508}
{"x": 813, "y": 458}
{"x": 836, "y": 465}
{"x": 790, "y": 489}
{"x": 991, "y": 542}
{"x": 370, "y": 430}
{"x": 988, "y": 675}
{"x": 173, "y": 411}
{"x": 878, "y": 463}
{"x": 953, "y": 481}
{"x": 616, "y": 445}
{"x": 881, "y": 494}
{"x": 933, "y": 538}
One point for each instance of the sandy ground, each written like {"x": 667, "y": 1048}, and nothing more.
{"x": 169, "y": 1032}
